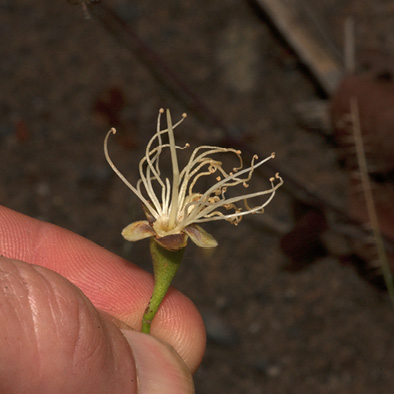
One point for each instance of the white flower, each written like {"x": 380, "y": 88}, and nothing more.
{"x": 173, "y": 207}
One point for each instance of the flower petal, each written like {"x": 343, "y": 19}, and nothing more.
{"x": 200, "y": 237}
{"x": 137, "y": 231}
{"x": 173, "y": 242}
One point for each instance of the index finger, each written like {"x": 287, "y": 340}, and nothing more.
{"x": 113, "y": 284}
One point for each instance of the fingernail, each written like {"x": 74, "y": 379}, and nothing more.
{"x": 159, "y": 367}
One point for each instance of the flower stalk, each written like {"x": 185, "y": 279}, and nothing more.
{"x": 165, "y": 266}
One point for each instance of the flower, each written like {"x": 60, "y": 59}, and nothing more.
{"x": 173, "y": 207}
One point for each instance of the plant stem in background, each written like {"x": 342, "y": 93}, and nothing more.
{"x": 371, "y": 208}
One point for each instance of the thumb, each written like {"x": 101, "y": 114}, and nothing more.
{"x": 54, "y": 340}
{"x": 159, "y": 368}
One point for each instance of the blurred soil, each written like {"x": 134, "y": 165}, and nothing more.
{"x": 64, "y": 80}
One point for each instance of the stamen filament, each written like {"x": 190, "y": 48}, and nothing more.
{"x": 175, "y": 173}
{"x": 177, "y": 206}
{"x": 121, "y": 176}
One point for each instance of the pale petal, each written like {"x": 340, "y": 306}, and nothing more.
{"x": 200, "y": 237}
{"x": 137, "y": 231}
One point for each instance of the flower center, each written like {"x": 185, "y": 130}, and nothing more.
{"x": 162, "y": 225}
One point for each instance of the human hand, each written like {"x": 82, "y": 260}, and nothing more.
{"x": 52, "y": 338}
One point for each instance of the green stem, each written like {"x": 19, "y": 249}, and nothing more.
{"x": 165, "y": 266}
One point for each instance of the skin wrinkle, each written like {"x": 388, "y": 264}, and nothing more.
{"x": 80, "y": 354}
{"x": 103, "y": 355}
{"x": 56, "y": 314}
{"x": 109, "y": 357}
{"x": 7, "y": 303}
{"x": 83, "y": 353}
{"x": 102, "y": 351}
{"x": 32, "y": 325}
{"x": 91, "y": 341}
{"x": 88, "y": 346}
{"x": 12, "y": 306}
{"x": 77, "y": 342}
{"x": 78, "y": 332}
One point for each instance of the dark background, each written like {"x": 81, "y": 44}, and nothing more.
{"x": 64, "y": 80}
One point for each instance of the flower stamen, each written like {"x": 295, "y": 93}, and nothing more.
{"x": 175, "y": 173}
{"x": 178, "y": 206}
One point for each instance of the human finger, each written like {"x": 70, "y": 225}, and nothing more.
{"x": 113, "y": 284}
{"x": 53, "y": 340}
